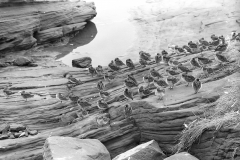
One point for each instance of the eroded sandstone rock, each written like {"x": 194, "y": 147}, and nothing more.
{"x": 41, "y": 23}
{"x": 21, "y": 61}
{"x": 147, "y": 151}
{"x": 83, "y": 62}
{"x": 181, "y": 156}
{"x": 73, "y": 148}
{"x": 17, "y": 127}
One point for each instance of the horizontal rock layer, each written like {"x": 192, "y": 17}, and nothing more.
{"x": 162, "y": 121}
{"x": 23, "y": 27}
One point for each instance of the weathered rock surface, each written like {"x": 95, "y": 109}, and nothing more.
{"x": 181, "y": 156}
{"x": 82, "y": 62}
{"x": 17, "y": 127}
{"x": 73, "y": 148}
{"x": 162, "y": 121}
{"x": 146, "y": 151}
{"x": 220, "y": 144}
{"x": 28, "y": 25}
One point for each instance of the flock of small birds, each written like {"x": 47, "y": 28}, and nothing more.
{"x": 175, "y": 72}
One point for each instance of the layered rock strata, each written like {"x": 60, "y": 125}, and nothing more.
{"x": 25, "y": 26}
{"x": 162, "y": 121}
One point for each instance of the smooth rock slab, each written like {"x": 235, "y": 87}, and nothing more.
{"x": 83, "y": 62}
{"x": 181, "y": 156}
{"x": 22, "y": 61}
{"x": 68, "y": 148}
{"x": 17, "y": 127}
{"x": 146, "y": 151}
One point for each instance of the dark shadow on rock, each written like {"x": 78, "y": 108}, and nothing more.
{"x": 85, "y": 36}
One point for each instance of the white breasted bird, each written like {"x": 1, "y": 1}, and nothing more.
{"x": 61, "y": 97}
{"x": 160, "y": 92}
{"x": 196, "y": 85}
{"x": 128, "y": 94}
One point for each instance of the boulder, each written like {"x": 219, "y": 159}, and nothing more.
{"x": 33, "y": 132}
{"x": 4, "y": 128}
{"x": 15, "y": 127}
{"x": 73, "y": 148}
{"x": 146, "y": 151}
{"x": 21, "y": 61}
{"x": 181, "y": 156}
{"x": 3, "y": 64}
{"x": 3, "y": 136}
{"x": 83, "y": 62}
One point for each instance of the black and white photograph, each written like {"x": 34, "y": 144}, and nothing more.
{"x": 119, "y": 79}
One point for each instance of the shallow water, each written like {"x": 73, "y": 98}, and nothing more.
{"x": 109, "y": 35}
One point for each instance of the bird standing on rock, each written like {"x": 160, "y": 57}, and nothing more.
{"x": 119, "y": 62}
{"x": 179, "y": 49}
{"x": 59, "y": 96}
{"x": 223, "y": 46}
{"x": 100, "y": 85}
{"x": 131, "y": 77}
{"x": 148, "y": 79}
{"x": 166, "y": 59}
{"x": 233, "y": 35}
{"x": 214, "y": 43}
{"x": 164, "y": 53}
{"x": 221, "y": 58}
{"x": 113, "y": 67}
{"x": 192, "y": 45}
{"x": 203, "y": 42}
{"x": 103, "y": 94}
{"x": 183, "y": 68}
{"x": 214, "y": 37}
{"x": 73, "y": 97}
{"x": 188, "y": 78}
{"x": 145, "y": 56}
{"x": 73, "y": 80}
{"x": 130, "y": 64}
{"x": 7, "y": 92}
{"x": 128, "y": 94}
{"x": 187, "y": 49}
{"x": 155, "y": 73}
{"x": 194, "y": 62}
{"x": 143, "y": 62}
{"x": 158, "y": 58}
{"x": 196, "y": 85}
{"x": 161, "y": 83}
{"x": 102, "y": 105}
{"x": 172, "y": 72}
{"x": 108, "y": 77}
{"x": 92, "y": 70}
{"x": 127, "y": 111}
{"x": 160, "y": 92}
{"x": 172, "y": 62}
{"x": 207, "y": 70}
{"x": 204, "y": 61}
{"x": 144, "y": 92}
{"x": 130, "y": 83}
{"x": 99, "y": 70}
{"x": 67, "y": 75}
{"x": 172, "y": 81}
{"x": 102, "y": 120}
{"x": 83, "y": 104}
{"x": 26, "y": 95}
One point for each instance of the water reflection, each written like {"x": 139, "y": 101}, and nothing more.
{"x": 115, "y": 34}
{"x": 84, "y": 37}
